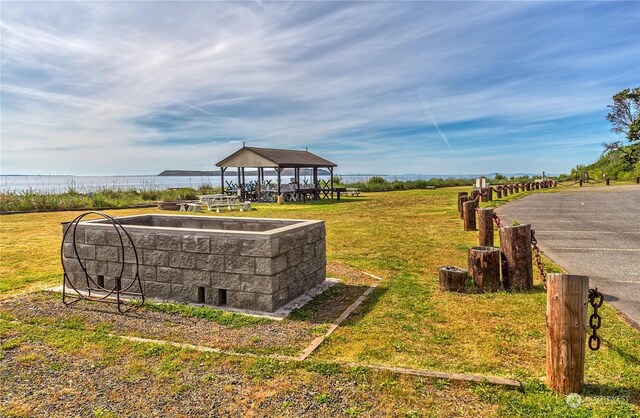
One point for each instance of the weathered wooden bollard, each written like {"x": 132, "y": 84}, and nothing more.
{"x": 499, "y": 192}
{"x": 517, "y": 268}
{"x": 460, "y": 194}
{"x": 485, "y": 227}
{"x": 607, "y": 181}
{"x": 490, "y": 193}
{"x": 484, "y": 266}
{"x": 567, "y": 297}
{"x": 485, "y": 194}
{"x": 528, "y": 187}
{"x": 452, "y": 278}
{"x": 461, "y": 201}
{"x": 474, "y": 193}
{"x": 469, "y": 210}
{"x": 580, "y": 182}
{"x": 637, "y": 180}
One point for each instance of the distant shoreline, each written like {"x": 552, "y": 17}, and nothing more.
{"x": 217, "y": 174}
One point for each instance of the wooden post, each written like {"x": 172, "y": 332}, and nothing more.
{"x": 279, "y": 171}
{"x": 484, "y": 266}
{"x": 461, "y": 201}
{"x": 452, "y": 278}
{"x": 331, "y": 181}
{"x": 580, "y": 182}
{"x": 486, "y": 194}
{"x": 567, "y": 297}
{"x": 485, "y": 227}
{"x": 490, "y": 193}
{"x": 637, "y": 180}
{"x": 469, "y": 212}
{"x": 460, "y": 194}
{"x": 607, "y": 181}
{"x": 499, "y": 192}
{"x": 474, "y": 193}
{"x": 517, "y": 267}
{"x": 222, "y": 170}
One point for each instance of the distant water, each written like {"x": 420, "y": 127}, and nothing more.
{"x": 85, "y": 184}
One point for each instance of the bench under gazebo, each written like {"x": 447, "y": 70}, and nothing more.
{"x": 279, "y": 162}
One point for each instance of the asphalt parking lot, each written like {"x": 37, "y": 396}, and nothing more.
{"x": 593, "y": 232}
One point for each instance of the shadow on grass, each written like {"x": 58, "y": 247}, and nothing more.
{"x": 328, "y": 306}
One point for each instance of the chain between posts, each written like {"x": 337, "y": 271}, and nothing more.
{"x": 596, "y": 299}
{"x": 536, "y": 251}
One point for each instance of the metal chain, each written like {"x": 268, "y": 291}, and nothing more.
{"x": 536, "y": 252}
{"x": 596, "y": 299}
{"x": 496, "y": 219}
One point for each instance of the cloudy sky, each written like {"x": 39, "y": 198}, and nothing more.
{"x": 377, "y": 87}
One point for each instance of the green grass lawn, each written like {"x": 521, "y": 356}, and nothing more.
{"x": 402, "y": 237}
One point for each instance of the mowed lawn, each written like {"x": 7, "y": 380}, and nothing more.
{"x": 402, "y": 237}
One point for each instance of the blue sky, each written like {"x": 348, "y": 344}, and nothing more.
{"x": 377, "y": 87}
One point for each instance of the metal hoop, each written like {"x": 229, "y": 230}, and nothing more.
{"x": 107, "y": 295}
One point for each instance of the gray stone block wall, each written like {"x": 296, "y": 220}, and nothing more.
{"x": 261, "y": 264}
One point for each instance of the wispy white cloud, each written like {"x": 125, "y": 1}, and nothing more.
{"x": 139, "y": 87}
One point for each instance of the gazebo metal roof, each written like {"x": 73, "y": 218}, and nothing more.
{"x": 274, "y": 157}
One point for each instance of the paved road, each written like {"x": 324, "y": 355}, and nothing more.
{"x": 594, "y": 232}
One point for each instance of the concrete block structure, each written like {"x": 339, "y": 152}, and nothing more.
{"x": 249, "y": 263}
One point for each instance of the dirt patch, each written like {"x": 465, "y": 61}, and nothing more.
{"x": 266, "y": 337}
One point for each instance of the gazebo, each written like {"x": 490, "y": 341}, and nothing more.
{"x": 278, "y": 160}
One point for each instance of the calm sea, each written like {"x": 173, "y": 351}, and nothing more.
{"x": 85, "y": 184}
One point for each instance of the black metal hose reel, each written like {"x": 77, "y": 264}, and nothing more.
{"x": 124, "y": 297}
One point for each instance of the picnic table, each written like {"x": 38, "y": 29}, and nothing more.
{"x": 218, "y": 201}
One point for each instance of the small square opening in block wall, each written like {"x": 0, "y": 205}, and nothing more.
{"x": 222, "y": 297}
{"x": 100, "y": 280}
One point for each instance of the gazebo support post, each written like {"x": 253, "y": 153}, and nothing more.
{"x": 331, "y": 181}
{"x": 238, "y": 175}
{"x": 315, "y": 183}
{"x": 259, "y": 172}
{"x": 222, "y": 170}
{"x": 279, "y": 171}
